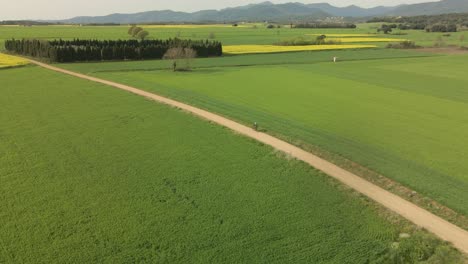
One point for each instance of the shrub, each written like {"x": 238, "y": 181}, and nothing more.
{"x": 324, "y": 25}
{"x": 320, "y": 39}
{"x": 420, "y": 248}
{"x": 442, "y": 28}
{"x": 403, "y": 45}
{"x": 386, "y": 28}
{"x": 452, "y": 28}
{"x": 415, "y": 26}
{"x": 300, "y": 41}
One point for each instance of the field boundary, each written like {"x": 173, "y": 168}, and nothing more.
{"x": 417, "y": 215}
{"x": 423, "y": 55}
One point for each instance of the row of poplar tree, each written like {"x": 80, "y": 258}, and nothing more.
{"x": 106, "y": 50}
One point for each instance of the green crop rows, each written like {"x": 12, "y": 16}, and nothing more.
{"x": 89, "y": 173}
{"x": 395, "y": 116}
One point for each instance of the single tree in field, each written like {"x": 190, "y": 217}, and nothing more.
{"x": 179, "y": 54}
{"x": 135, "y": 31}
{"x": 130, "y": 30}
{"x": 142, "y": 35}
{"x": 138, "y": 32}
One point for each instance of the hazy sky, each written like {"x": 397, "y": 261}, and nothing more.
{"x": 58, "y": 9}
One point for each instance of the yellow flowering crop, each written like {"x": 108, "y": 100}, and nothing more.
{"x": 247, "y": 49}
{"x": 343, "y": 35}
{"x": 11, "y": 61}
{"x": 188, "y": 26}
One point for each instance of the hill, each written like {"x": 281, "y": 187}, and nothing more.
{"x": 433, "y": 8}
{"x": 268, "y": 11}
{"x": 255, "y": 12}
{"x": 352, "y": 10}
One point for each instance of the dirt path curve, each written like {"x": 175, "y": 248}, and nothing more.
{"x": 419, "y": 216}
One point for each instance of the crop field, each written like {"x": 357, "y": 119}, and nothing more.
{"x": 421, "y": 37}
{"x": 89, "y": 173}
{"x": 248, "y": 34}
{"x": 188, "y": 26}
{"x": 248, "y": 49}
{"x": 356, "y": 40}
{"x": 92, "y": 174}
{"x": 344, "y": 35}
{"x": 7, "y": 61}
{"x": 374, "y": 119}
{"x": 241, "y": 60}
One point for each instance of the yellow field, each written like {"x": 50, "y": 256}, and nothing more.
{"x": 343, "y": 35}
{"x": 356, "y": 40}
{"x": 11, "y": 61}
{"x": 196, "y": 26}
{"x": 247, "y": 49}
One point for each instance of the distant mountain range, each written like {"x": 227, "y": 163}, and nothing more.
{"x": 432, "y": 8}
{"x": 268, "y": 11}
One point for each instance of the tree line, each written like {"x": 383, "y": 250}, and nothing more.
{"x": 387, "y": 28}
{"x": 430, "y": 23}
{"x": 107, "y": 50}
{"x": 325, "y": 25}
{"x": 25, "y": 23}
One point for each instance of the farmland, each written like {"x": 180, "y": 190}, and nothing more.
{"x": 374, "y": 120}
{"x": 11, "y": 61}
{"x": 248, "y": 34}
{"x": 248, "y": 49}
{"x": 357, "y": 40}
{"x": 94, "y": 174}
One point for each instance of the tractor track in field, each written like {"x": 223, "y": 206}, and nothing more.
{"x": 417, "y": 215}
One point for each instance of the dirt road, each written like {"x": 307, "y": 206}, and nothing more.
{"x": 419, "y": 216}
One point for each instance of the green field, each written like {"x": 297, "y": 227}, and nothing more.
{"x": 228, "y": 35}
{"x": 290, "y": 58}
{"x": 89, "y": 173}
{"x": 421, "y": 37}
{"x": 92, "y": 174}
{"x": 397, "y": 117}
{"x": 248, "y": 34}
